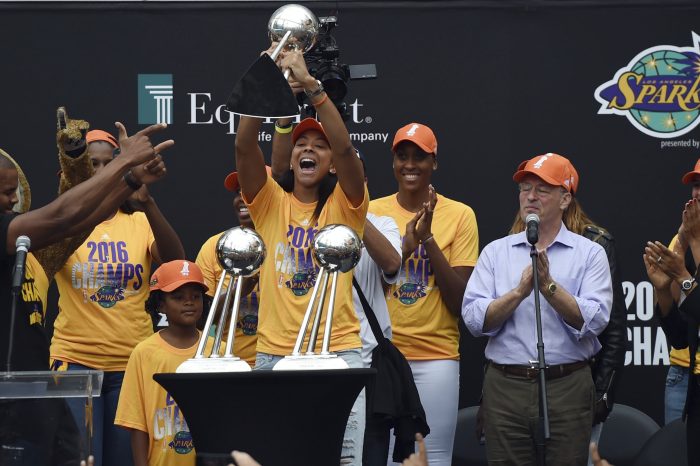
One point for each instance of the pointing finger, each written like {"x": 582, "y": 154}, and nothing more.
{"x": 164, "y": 145}
{"x": 152, "y": 129}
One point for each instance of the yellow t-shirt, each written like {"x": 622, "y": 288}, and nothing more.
{"x": 145, "y": 405}
{"x": 289, "y": 273}
{"x": 681, "y": 357}
{"x": 35, "y": 289}
{"x": 103, "y": 288}
{"x": 246, "y": 329}
{"x": 422, "y": 327}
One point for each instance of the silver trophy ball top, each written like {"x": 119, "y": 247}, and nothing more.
{"x": 300, "y": 21}
{"x": 337, "y": 248}
{"x": 240, "y": 251}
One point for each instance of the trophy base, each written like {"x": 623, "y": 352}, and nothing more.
{"x": 305, "y": 362}
{"x": 206, "y": 365}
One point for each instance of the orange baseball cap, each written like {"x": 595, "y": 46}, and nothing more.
{"x": 231, "y": 180}
{"x": 419, "y": 134}
{"x": 99, "y": 135}
{"x": 690, "y": 176}
{"x": 172, "y": 275}
{"x": 552, "y": 168}
{"x": 307, "y": 124}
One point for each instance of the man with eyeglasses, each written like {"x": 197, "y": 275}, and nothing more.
{"x": 576, "y": 291}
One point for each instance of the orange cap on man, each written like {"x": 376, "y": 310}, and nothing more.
{"x": 551, "y": 168}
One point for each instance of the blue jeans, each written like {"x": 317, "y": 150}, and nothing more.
{"x": 676, "y": 391}
{"x": 111, "y": 445}
{"x": 355, "y": 428}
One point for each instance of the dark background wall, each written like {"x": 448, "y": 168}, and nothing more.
{"x": 499, "y": 82}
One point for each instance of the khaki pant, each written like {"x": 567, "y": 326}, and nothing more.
{"x": 511, "y": 408}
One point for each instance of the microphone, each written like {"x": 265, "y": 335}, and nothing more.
{"x": 532, "y": 222}
{"x": 22, "y": 244}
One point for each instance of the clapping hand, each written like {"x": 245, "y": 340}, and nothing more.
{"x": 669, "y": 262}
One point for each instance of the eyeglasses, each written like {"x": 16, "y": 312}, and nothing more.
{"x": 540, "y": 189}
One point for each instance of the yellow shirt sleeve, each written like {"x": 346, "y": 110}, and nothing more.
{"x": 465, "y": 245}
{"x": 131, "y": 410}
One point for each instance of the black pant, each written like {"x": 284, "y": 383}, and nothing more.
{"x": 38, "y": 432}
{"x": 375, "y": 451}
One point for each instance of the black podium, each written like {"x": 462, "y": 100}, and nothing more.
{"x": 281, "y": 418}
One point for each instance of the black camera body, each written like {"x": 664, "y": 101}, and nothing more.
{"x": 323, "y": 63}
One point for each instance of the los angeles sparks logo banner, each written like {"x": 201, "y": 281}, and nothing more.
{"x": 657, "y": 91}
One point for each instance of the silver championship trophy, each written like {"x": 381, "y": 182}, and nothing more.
{"x": 294, "y": 27}
{"x": 263, "y": 91}
{"x": 241, "y": 252}
{"x": 336, "y": 249}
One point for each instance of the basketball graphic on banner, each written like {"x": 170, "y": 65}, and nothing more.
{"x": 657, "y": 69}
{"x": 658, "y": 91}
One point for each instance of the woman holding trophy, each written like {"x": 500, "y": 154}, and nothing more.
{"x": 324, "y": 185}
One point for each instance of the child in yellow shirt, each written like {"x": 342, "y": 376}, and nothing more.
{"x": 159, "y": 432}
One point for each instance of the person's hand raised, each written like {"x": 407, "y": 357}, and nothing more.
{"x": 138, "y": 148}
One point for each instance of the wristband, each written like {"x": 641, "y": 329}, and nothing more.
{"x": 131, "y": 181}
{"x": 427, "y": 239}
{"x": 320, "y": 102}
{"x": 286, "y": 129}
{"x": 318, "y": 91}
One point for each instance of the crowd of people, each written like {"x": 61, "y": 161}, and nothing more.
{"x": 421, "y": 272}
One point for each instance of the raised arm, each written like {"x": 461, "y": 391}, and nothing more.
{"x": 103, "y": 192}
{"x": 452, "y": 281}
{"x": 281, "y": 148}
{"x": 381, "y": 249}
{"x": 250, "y": 162}
{"x": 167, "y": 246}
{"x": 347, "y": 165}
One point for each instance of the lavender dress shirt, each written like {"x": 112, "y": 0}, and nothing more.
{"x": 576, "y": 264}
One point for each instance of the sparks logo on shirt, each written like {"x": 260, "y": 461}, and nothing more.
{"x": 32, "y": 297}
{"x": 108, "y": 272}
{"x": 169, "y": 425}
{"x": 658, "y": 91}
{"x": 248, "y": 323}
{"x": 416, "y": 273}
{"x": 182, "y": 442}
{"x": 295, "y": 261}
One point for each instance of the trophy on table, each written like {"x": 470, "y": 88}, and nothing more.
{"x": 241, "y": 252}
{"x": 263, "y": 91}
{"x": 336, "y": 249}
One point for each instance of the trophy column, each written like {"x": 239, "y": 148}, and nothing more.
{"x": 241, "y": 252}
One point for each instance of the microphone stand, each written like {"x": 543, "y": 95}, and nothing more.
{"x": 13, "y": 314}
{"x": 542, "y": 434}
